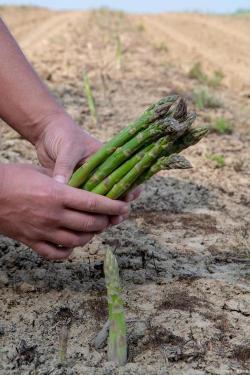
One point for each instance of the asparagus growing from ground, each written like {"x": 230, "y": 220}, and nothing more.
{"x": 89, "y": 96}
{"x": 170, "y": 105}
{"x": 168, "y": 126}
{"x": 117, "y": 342}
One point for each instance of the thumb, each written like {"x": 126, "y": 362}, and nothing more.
{"x": 65, "y": 164}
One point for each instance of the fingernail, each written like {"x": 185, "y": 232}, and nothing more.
{"x": 61, "y": 179}
{"x": 130, "y": 197}
{"x": 126, "y": 209}
{"x": 119, "y": 220}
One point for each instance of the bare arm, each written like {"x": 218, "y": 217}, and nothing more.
{"x": 22, "y": 90}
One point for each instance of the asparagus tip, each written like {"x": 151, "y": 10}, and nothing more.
{"x": 176, "y": 161}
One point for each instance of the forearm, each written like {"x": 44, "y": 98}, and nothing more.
{"x": 25, "y": 102}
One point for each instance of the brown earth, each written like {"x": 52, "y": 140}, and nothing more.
{"x": 184, "y": 252}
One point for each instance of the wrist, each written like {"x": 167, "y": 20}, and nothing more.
{"x": 41, "y": 125}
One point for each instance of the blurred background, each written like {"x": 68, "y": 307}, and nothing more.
{"x": 223, "y": 6}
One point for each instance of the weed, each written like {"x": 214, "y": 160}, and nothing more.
{"x": 118, "y": 52}
{"x": 141, "y": 27}
{"x": 196, "y": 72}
{"x": 90, "y": 97}
{"x": 161, "y": 47}
{"x": 205, "y": 99}
{"x": 222, "y": 126}
{"x": 216, "y": 79}
{"x": 218, "y": 159}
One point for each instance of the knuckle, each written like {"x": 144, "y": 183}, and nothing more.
{"x": 70, "y": 241}
{"x": 91, "y": 204}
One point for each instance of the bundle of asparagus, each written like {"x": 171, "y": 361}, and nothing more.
{"x": 142, "y": 149}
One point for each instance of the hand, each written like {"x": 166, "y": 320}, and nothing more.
{"x": 43, "y": 214}
{"x": 63, "y": 145}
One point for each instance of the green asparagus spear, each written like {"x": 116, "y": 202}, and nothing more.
{"x": 104, "y": 186}
{"x": 117, "y": 342}
{"x": 174, "y": 161}
{"x": 129, "y": 179}
{"x": 155, "y": 112}
{"x": 153, "y": 132}
{"x": 190, "y": 138}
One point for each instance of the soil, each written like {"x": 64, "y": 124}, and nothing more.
{"x": 184, "y": 251}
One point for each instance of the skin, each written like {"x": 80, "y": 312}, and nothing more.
{"x": 36, "y": 205}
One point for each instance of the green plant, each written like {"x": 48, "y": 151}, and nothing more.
{"x": 205, "y": 99}
{"x": 218, "y": 159}
{"x": 161, "y": 47}
{"x": 90, "y": 97}
{"x": 196, "y": 72}
{"x": 216, "y": 79}
{"x": 222, "y": 126}
{"x": 117, "y": 340}
{"x": 141, "y": 26}
{"x": 118, "y": 52}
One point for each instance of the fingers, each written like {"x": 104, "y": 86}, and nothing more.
{"x": 65, "y": 164}
{"x": 84, "y": 222}
{"x": 51, "y": 251}
{"x": 81, "y": 200}
{"x": 69, "y": 239}
{"x": 133, "y": 194}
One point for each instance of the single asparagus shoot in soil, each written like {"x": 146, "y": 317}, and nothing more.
{"x": 90, "y": 97}
{"x": 155, "y": 112}
{"x": 117, "y": 340}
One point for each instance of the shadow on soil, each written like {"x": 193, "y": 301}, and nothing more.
{"x": 171, "y": 209}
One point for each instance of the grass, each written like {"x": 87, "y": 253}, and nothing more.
{"x": 205, "y": 99}
{"x": 196, "y": 72}
{"x": 216, "y": 79}
{"x": 118, "y": 52}
{"x": 141, "y": 27}
{"x": 161, "y": 47}
{"x": 222, "y": 126}
{"x": 90, "y": 97}
{"x": 218, "y": 159}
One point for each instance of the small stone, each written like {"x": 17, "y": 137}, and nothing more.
{"x": 26, "y": 287}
